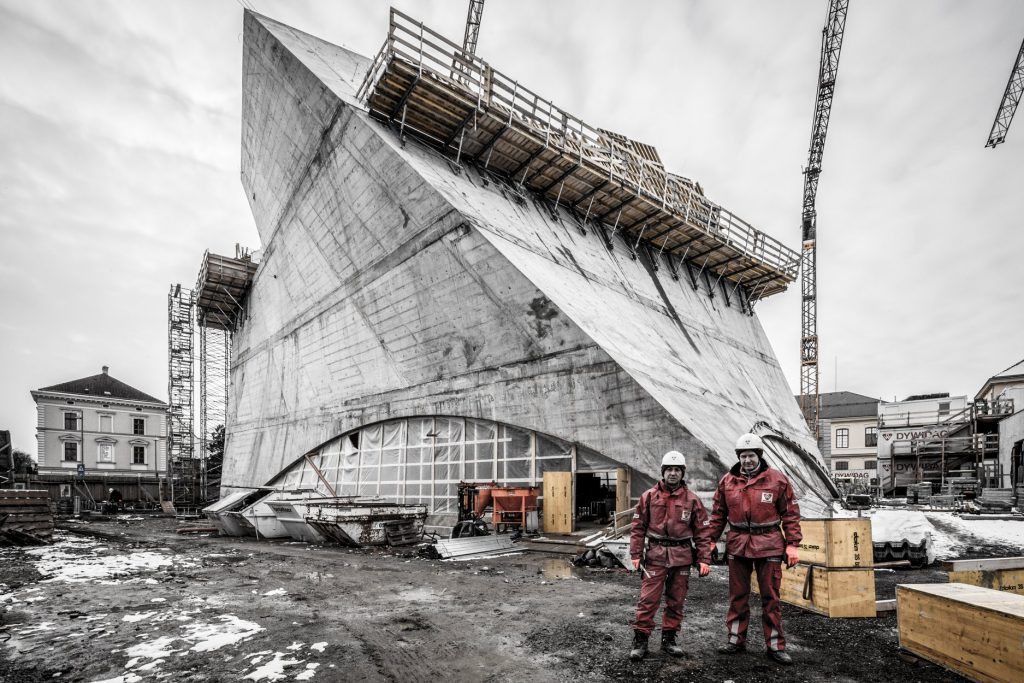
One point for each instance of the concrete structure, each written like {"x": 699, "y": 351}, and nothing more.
{"x": 848, "y": 438}
{"x": 1003, "y": 395}
{"x": 98, "y": 433}
{"x": 398, "y": 292}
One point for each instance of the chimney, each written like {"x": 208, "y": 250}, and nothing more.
{"x": 105, "y": 369}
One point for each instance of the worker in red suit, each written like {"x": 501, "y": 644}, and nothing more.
{"x": 764, "y": 530}
{"x": 668, "y": 534}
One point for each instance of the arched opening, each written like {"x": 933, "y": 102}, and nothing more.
{"x": 422, "y": 460}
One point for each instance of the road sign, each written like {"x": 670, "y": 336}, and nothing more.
{"x": 81, "y": 470}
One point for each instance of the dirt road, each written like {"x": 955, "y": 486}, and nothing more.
{"x": 137, "y": 602}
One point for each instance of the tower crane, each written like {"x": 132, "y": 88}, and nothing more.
{"x": 831, "y": 43}
{"x": 1014, "y": 88}
{"x": 473, "y": 15}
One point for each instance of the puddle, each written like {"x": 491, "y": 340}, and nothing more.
{"x": 561, "y": 568}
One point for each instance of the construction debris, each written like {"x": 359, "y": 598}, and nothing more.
{"x": 25, "y": 517}
{"x": 460, "y": 548}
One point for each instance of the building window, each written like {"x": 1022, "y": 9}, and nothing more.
{"x": 70, "y": 420}
{"x": 138, "y": 426}
{"x": 840, "y": 465}
{"x": 106, "y": 423}
{"x": 870, "y": 437}
{"x": 138, "y": 455}
{"x": 70, "y": 451}
{"x": 842, "y": 438}
{"x": 870, "y": 465}
{"x": 105, "y": 452}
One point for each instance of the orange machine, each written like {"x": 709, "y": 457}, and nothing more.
{"x": 511, "y": 504}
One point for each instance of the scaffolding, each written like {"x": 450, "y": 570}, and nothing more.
{"x": 214, "y": 361}
{"x": 429, "y": 87}
{"x": 182, "y": 467}
{"x": 215, "y": 308}
{"x": 220, "y": 292}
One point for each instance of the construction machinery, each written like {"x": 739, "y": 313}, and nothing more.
{"x": 1008, "y": 105}
{"x": 831, "y": 44}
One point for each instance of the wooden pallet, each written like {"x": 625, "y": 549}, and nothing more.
{"x": 27, "y": 512}
{"x": 402, "y": 532}
{"x": 971, "y": 630}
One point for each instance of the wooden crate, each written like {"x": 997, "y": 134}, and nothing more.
{"x": 971, "y": 630}
{"x": 997, "y": 573}
{"x": 837, "y": 542}
{"x": 835, "y": 593}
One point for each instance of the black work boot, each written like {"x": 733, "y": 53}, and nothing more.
{"x": 639, "y": 650}
{"x": 668, "y": 644}
{"x": 780, "y": 656}
{"x": 731, "y": 649}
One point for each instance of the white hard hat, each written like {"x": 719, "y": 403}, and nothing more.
{"x": 673, "y": 459}
{"x": 749, "y": 442}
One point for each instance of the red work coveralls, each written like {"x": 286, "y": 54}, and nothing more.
{"x": 759, "y": 509}
{"x": 669, "y": 520}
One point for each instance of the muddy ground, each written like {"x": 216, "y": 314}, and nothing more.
{"x": 134, "y": 601}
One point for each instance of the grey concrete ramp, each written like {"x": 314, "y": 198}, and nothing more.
{"x": 394, "y": 284}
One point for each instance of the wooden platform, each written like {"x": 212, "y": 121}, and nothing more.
{"x": 421, "y": 83}
{"x": 976, "y": 632}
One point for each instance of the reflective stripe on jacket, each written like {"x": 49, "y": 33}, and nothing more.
{"x": 754, "y": 507}
{"x": 672, "y": 515}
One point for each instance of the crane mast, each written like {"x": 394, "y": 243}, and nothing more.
{"x": 831, "y": 43}
{"x": 473, "y": 15}
{"x": 1014, "y": 88}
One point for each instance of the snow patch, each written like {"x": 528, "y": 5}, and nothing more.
{"x": 319, "y": 647}
{"x": 274, "y": 669}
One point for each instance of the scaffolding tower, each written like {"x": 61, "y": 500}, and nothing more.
{"x": 221, "y": 288}
{"x": 182, "y": 467}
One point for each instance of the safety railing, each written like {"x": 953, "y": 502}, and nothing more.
{"x": 472, "y": 82}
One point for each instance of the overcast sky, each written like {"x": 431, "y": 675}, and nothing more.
{"x": 119, "y": 164}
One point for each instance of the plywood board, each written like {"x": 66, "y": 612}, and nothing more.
{"x": 836, "y": 542}
{"x": 558, "y": 516}
{"x": 972, "y": 630}
{"x": 622, "y": 484}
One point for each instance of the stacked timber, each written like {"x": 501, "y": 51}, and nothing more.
{"x": 971, "y": 630}
{"x": 835, "y": 576}
{"x": 25, "y": 517}
{"x": 996, "y": 499}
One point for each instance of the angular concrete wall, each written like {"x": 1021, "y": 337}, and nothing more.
{"x": 392, "y": 286}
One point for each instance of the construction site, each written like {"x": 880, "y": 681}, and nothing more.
{"x": 406, "y": 436}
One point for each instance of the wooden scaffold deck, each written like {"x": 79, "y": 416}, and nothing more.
{"x": 421, "y": 83}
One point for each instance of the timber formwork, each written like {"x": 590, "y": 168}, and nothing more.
{"x": 428, "y": 87}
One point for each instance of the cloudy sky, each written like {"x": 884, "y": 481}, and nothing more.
{"x": 119, "y": 163}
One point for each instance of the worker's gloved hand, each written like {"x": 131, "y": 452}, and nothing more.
{"x": 636, "y": 564}
{"x": 703, "y": 569}
{"x": 792, "y": 555}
